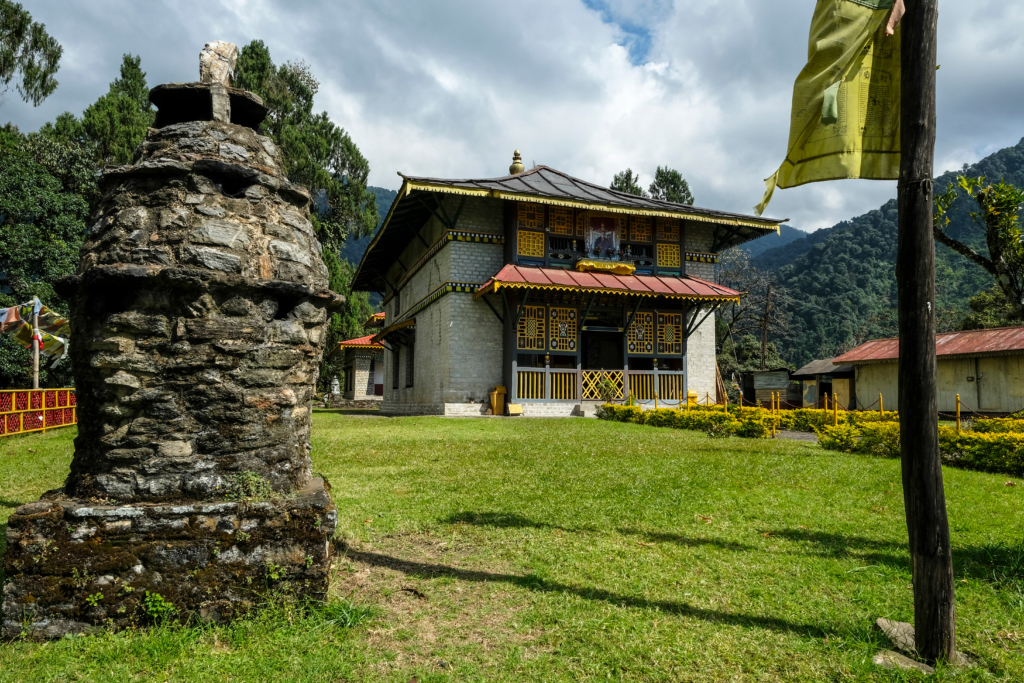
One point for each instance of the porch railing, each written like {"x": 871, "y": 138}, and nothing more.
{"x": 551, "y": 384}
{"x": 36, "y": 410}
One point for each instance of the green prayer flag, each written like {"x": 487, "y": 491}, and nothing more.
{"x": 845, "y": 121}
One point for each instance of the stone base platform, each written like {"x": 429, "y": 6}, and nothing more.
{"x": 73, "y": 566}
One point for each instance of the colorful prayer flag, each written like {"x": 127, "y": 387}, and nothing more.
{"x": 845, "y": 121}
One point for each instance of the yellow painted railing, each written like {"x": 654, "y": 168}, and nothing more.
{"x": 595, "y": 380}
{"x": 36, "y": 410}
{"x": 530, "y": 384}
{"x": 670, "y": 387}
{"x": 564, "y": 385}
{"x": 641, "y": 387}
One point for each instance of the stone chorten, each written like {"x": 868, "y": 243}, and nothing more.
{"x": 199, "y": 313}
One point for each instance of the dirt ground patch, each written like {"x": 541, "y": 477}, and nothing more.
{"x": 432, "y": 598}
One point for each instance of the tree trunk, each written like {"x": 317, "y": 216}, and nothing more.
{"x": 923, "y": 494}
{"x": 764, "y": 328}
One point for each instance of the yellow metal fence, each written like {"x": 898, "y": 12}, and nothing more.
{"x": 36, "y": 410}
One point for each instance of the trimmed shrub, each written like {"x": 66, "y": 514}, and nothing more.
{"x": 988, "y": 452}
{"x": 880, "y": 438}
{"x": 997, "y": 425}
{"x": 755, "y": 427}
{"x": 842, "y": 438}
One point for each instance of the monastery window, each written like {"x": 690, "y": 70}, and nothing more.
{"x": 530, "y": 331}
{"x": 560, "y": 221}
{"x": 668, "y": 229}
{"x": 670, "y": 334}
{"x": 531, "y": 244}
{"x": 668, "y": 256}
{"x": 410, "y": 363}
{"x": 640, "y": 338}
{"x": 394, "y": 367}
{"x": 563, "y": 329}
{"x": 640, "y": 229}
{"x": 530, "y": 216}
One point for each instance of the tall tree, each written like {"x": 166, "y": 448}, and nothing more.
{"x": 317, "y": 153}
{"x": 43, "y": 216}
{"x": 999, "y": 207}
{"x": 26, "y": 49}
{"x": 116, "y": 123}
{"x": 759, "y": 310}
{"x": 627, "y": 182}
{"x": 344, "y": 324}
{"x": 670, "y": 185}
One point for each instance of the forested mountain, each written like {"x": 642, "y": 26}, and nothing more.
{"x": 840, "y": 282}
{"x": 787, "y": 235}
{"x": 353, "y": 249}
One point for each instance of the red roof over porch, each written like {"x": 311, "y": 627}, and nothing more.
{"x": 686, "y": 287}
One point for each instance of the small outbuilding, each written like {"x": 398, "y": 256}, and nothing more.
{"x": 821, "y": 378}
{"x": 985, "y": 367}
{"x": 759, "y": 386}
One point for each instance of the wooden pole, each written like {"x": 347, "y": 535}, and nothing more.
{"x": 35, "y": 350}
{"x": 881, "y": 410}
{"x": 923, "y": 495}
{"x": 835, "y": 409}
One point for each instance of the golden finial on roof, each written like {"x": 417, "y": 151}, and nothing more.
{"x": 517, "y": 164}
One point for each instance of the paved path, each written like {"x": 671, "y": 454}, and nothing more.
{"x": 797, "y": 436}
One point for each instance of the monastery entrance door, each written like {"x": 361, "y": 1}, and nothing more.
{"x": 602, "y": 351}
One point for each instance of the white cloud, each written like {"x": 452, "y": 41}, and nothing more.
{"x": 451, "y": 88}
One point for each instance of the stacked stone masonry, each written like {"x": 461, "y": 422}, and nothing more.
{"x": 199, "y": 312}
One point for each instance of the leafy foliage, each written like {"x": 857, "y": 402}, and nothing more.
{"x": 26, "y": 49}
{"x": 317, "y": 153}
{"x": 670, "y": 185}
{"x": 43, "y": 213}
{"x": 998, "y": 214}
{"x": 991, "y": 308}
{"x": 842, "y": 280}
{"x": 627, "y": 182}
{"x": 115, "y": 125}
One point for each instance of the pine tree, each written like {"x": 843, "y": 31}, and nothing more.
{"x": 317, "y": 153}
{"x": 627, "y": 182}
{"x": 116, "y": 123}
{"x": 27, "y": 49}
{"x": 670, "y": 186}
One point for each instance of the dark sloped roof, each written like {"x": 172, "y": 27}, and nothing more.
{"x": 822, "y": 367}
{"x": 412, "y": 207}
{"x": 996, "y": 341}
{"x": 543, "y": 182}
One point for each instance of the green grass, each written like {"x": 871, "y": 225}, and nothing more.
{"x": 565, "y": 550}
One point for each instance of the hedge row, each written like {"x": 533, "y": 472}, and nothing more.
{"x": 1001, "y": 452}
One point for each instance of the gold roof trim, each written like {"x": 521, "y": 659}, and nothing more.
{"x": 498, "y": 194}
{"x": 495, "y": 286}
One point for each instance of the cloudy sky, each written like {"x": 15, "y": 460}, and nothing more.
{"x": 587, "y": 86}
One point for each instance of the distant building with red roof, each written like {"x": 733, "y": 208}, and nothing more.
{"x": 364, "y": 368}
{"x": 985, "y": 367}
{"x": 562, "y": 291}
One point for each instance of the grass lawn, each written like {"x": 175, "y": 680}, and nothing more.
{"x": 566, "y": 550}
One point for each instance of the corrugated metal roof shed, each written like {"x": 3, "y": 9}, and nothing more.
{"x": 993, "y": 342}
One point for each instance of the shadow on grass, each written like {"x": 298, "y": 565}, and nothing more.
{"x": 510, "y": 520}
{"x": 542, "y": 585}
{"x": 10, "y": 504}
{"x": 995, "y": 562}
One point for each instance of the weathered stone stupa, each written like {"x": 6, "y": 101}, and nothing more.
{"x": 199, "y": 314}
